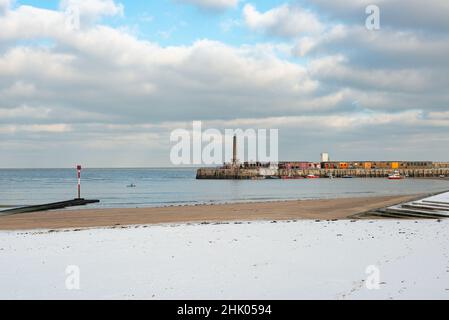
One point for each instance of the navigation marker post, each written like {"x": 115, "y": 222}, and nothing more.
{"x": 78, "y": 168}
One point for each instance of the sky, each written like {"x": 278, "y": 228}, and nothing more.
{"x": 107, "y": 89}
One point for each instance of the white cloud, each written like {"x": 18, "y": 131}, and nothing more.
{"x": 285, "y": 21}
{"x": 339, "y": 70}
{"x": 24, "y": 112}
{"x": 390, "y": 69}
{"x": 36, "y": 128}
{"x": 307, "y": 44}
{"x": 90, "y": 11}
{"x": 229, "y": 24}
{"x": 98, "y": 83}
{"x": 212, "y": 4}
{"x": 411, "y": 14}
{"x": 102, "y": 69}
{"x": 415, "y": 49}
{"x": 19, "y": 88}
{"x": 5, "y": 6}
{"x": 347, "y": 122}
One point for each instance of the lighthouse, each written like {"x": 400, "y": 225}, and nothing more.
{"x": 234, "y": 152}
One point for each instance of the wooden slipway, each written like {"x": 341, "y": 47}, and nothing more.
{"x": 48, "y": 206}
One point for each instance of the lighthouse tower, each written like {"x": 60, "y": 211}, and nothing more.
{"x": 234, "y": 152}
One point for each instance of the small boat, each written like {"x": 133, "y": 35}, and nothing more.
{"x": 312, "y": 176}
{"x": 395, "y": 176}
{"x": 292, "y": 177}
{"x": 132, "y": 185}
{"x": 347, "y": 177}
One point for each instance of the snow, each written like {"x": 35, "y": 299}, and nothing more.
{"x": 439, "y": 205}
{"x": 442, "y": 197}
{"x": 258, "y": 260}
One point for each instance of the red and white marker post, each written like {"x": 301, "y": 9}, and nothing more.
{"x": 78, "y": 168}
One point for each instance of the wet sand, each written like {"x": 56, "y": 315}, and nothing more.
{"x": 285, "y": 210}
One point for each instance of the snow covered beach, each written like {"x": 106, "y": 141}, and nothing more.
{"x": 238, "y": 260}
{"x": 288, "y": 259}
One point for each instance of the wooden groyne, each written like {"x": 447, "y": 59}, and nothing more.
{"x": 48, "y": 206}
{"x": 253, "y": 174}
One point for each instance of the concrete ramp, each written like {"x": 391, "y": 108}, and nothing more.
{"x": 432, "y": 207}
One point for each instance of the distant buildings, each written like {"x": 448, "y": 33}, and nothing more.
{"x": 327, "y": 164}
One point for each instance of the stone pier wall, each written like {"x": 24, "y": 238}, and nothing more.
{"x": 248, "y": 174}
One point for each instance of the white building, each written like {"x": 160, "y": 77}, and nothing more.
{"x": 325, "y": 157}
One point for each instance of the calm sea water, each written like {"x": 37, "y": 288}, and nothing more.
{"x": 162, "y": 187}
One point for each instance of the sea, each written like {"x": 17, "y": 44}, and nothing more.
{"x": 159, "y": 187}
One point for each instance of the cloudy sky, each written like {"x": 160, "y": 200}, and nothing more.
{"x": 108, "y": 91}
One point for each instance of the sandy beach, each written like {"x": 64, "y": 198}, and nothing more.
{"x": 328, "y": 209}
